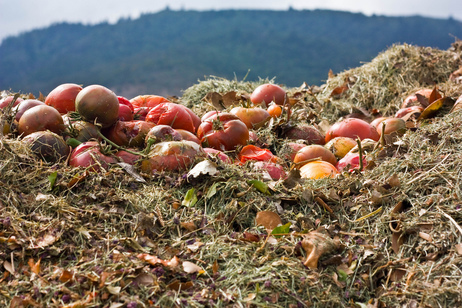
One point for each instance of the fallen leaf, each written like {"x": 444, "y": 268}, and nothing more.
{"x": 113, "y": 290}
{"x": 180, "y": 286}
{"x": 344, "y": 267}
{"x": 190, "y": 226}
{"x": 34, "y": 267}
{"x": 268, "y": 219}
{"x": 190, "y": 198}
{"x": 130, "y": 169}
{"x": 190, "y": 267}
{"x": 46, "y": 240}
{"x": 339, "y": 90}
{"x": 9, "y": 267}
{"x": 144, "y": 279}
{"x": 250, "y": 297}
{"x": 425, "y": 236}
{"x": 279, "y": 230}
{"x": 459, "y": 248}
{"x": 195, "y": 246}
{"x": 205, "y": 167}
{"x": 317, "y": 244}
{"x": 216, "y": 99}
{"x": 154, "y": 260}
{"x": 215, "y": 267}
{"x": 250, "y": 237}
{"x": 66, "y": 276}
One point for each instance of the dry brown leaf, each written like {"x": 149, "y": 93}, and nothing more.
{"x": 459, "y": 248}
{"x": 154, "y": 260}
{"x": 34, "y": 267}
{"x": 317, "y": 244}
{"x": 268, "y": 219}
{"x": 9, "y": 267}
{"x": 339, "y": 90}
{"x": 230, "y": 98}
{"x": 425, "y": 236}
{"x": 45, "y": 240}
{"x": 144, "y": 279}
{"x": 216, "y": 99}
{"x": 180, "y": 286}
{"x": 456, "y": 74}
{"x": 215, "y": 267}
{"x": 66, "y": 276}
{"x": 190, "y": 226}
{"x": 250, "y": 237}
{"x": 393, "y": 180}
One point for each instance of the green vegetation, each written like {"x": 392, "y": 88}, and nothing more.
{"x": 166, "y": 52}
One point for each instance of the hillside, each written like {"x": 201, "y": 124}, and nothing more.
{"x": 166, "y": 52}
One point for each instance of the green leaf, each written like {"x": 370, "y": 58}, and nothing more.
{"x": 190, "y": 198}
{"x": 281, "y": 230}
{"x": 260, "y": 186}
{"x": 212, "y": 190}
{"x": 52, "y": 179}
{"x": 342, "y": 275}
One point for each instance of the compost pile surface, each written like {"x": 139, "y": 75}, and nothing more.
{"x": 385, "y": 237}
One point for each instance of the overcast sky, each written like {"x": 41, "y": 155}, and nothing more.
{"x": 17, "y": 16}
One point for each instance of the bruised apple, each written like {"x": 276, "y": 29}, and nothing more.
{"x": 392, "y": 126}
{"x": 254, "y": 117}
{"x": 352, "y": 128}
{"x": 161, "y": 133}
{"x": 218, "y": 154}
{"x": 40, "y": 118}
{"x": 96, "y": 103}
{"x": 314, "y": 151}
{"x": 350, "y": 161}
{"x": 267, "y": 93}
{"x": 306, "y": 132}
{"x": 172, "y": 156}
{"x": 49, "y": 146}
{"x": 275, "y": 170}
{"x": 129, "y": 133}
{"x": 171, "y": 114}
{"x": 149, "y": 101}
{"x": 63, "y": 97}
{"x": 88, "y": 155}
{"x": 318, "y": 170}
{"x": 223, "y": 131}
{"x": 25, "y": 105}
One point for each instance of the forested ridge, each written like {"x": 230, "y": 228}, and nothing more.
{"x": 166, "y": 52}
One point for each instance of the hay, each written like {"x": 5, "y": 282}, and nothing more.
{"x": 73, "y": 238}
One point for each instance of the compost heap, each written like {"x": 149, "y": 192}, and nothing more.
{"x": 385, "y": 237}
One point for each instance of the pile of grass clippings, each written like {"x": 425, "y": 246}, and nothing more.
{"x": 71, "y": 238}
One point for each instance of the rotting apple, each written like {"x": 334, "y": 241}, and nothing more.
{"x": 318, "y": 169}
{"x": 47, "y": 145}
{"x": 254, "y": 117}
{"x": 96, "y": 103}
{"x": 223, "y": 131}
{"x": 306, "y": 132}
{"x": 267, "y": 93}
{"x": 172, "y": 156}
{"x": 40, "y": 118}
{"x": 314, "y": 151}
{"x": 63, "y": 97}
{"x": 88, "y": 155}
{"x": 352, "y": 128}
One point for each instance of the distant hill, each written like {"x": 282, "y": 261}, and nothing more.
{"x": 166, "y": 52}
